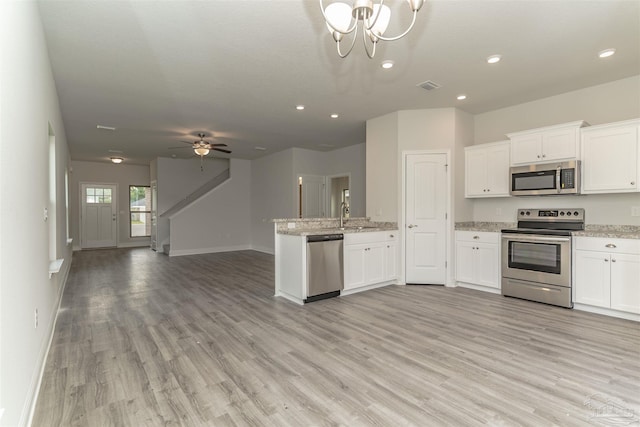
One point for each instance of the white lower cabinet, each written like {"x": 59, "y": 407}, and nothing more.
{"x": 607, "y": 273}
{"x": 370, "y": 258}
{"x": 478, "y": 259}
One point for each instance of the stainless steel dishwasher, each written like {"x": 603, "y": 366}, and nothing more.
{"x": 324, "y": 266}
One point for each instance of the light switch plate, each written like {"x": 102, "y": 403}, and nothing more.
{"x": 291, "y": 225}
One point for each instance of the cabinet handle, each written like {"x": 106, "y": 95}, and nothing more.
{"x": 488, "y": 189}
{"x": 610, "y": 245}
{"x": 391, "y": 235}
{"x": 538, "y": 155}
{"x": 544, "y": 155}
{"x": 613, "y": 260}
{"x": 388, "y": 246}
{"x": 606, "y": 260}
{"x": 633, "y": 183}
{"x": 476, "y": 237}
{"x": 412, "y": 226}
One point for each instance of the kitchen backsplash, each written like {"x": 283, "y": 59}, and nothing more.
{"x": 610, "y": 209}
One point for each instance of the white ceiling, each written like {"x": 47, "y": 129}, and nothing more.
{"x": 161, "y": 72}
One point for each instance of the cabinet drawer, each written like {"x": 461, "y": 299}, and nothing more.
{"x": 627, "y": 246}
{"x": 370, "y": 237}
{"x": 478, "y": 236}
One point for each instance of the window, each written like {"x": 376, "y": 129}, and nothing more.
{"x": 140, "y": 211}
{"x": 98, "y": 195}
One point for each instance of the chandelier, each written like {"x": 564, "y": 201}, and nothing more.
{"x": 373, "y": 17}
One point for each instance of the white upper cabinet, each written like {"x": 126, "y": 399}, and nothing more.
{"x": 548, "y": 144}
{"x": 487, "y": 170}
{"x": 611, "y": 158}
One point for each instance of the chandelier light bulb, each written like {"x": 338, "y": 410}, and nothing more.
{"x": 371, "y": 17}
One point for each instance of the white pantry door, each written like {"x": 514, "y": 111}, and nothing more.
{"x": 98, "y": 217}
{"x": 425, "y": 218}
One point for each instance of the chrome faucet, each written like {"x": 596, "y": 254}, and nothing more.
{"x": 344, "y": 209}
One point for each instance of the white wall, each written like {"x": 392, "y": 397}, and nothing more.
{"x": 219, "y": 221}
{"x": 177, "y": 178}
{"x": 610, "y": 102}
{"x": 382, "y": 163}
{"x": 123, "y": 175}
{"x": 605, "y": 103}
{"x": 273, "y": 185}
{"x": 28, "y": 103}
{"x": 271, "y": 196}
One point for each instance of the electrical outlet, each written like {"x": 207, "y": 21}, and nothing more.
{"x": 635, "y": 211}
{"x": 36, "y": 318}
{"x": 46, "y": 214}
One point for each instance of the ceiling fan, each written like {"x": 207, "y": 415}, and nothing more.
{"x": 202, "y": 148}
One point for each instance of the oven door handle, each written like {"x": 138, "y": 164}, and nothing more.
{"x": 536, "y": 239}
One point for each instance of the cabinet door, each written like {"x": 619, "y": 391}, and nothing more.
{"x": 464, "y": 261}
{"x": 526, "y": 149}
{"x": 391, "y": 263}
{"x": 593, "y": 278}
{"x": 487, "y": 271}
{"x": 559, "y": 145}
{"x": 610, "y": 160}
{"x": 625, "y": 282}
{"x": 374, "y": 263}
{"x": 498, "y": 170}
{"x": 354, "y": 266}
{"x": 476, "y": 172}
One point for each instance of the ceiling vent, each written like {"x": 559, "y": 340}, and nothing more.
{"x": 429, "y": 85}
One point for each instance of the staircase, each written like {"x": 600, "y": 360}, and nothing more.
{"x": 205, "y": 188}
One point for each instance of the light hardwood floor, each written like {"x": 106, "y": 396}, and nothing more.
{"x": 144, "y": 339}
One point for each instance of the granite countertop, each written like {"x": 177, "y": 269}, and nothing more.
{"x": 610, "y": 231}
{"x": 484, "y": 226}
{"x": 594, "y": 230}
{"x": 314, "y": 226}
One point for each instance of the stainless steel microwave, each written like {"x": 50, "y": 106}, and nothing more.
{"x": 546, "y": 179}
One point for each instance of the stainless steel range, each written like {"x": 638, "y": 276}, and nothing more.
{"x": 536, "y": 256}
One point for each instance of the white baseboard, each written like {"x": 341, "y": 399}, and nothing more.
{"x": 607, "y": 312}
{"x": 263, "y": 249}
{"x": 200, "y": 251}
{"x": 30, "y": 404}
{"x": 478, "y": 287}
{"x": 134, "y": 245}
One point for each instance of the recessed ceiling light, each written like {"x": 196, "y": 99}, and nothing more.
{"x": 494, "y": 58}
{"x": 387, "y": 64}
{"x": 606, "y": 53}
{"x": 334, "y": 116}
{"x": 105, "y": 127}
{"x": 461, "y": 97}
{"x": 300, "y": 107}
{"x": 116, "y": 160}
{"x": 259, "y": 148}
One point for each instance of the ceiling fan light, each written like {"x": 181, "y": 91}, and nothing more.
{"x": 116, "y": 160}
{"x": 201, "y": 151}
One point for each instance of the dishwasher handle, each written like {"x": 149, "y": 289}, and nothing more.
{"x": 324, "y": 238}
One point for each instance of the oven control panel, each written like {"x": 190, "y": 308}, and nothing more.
{"x": 551, "y": 215}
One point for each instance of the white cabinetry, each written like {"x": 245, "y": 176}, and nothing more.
{"x": 478, "y": 260}
{"x": 611, "y": 158}
{"x": 370, "y": 259}
{"x": 607, "y": 273}
{"x": 548, "y": 144}
{"x": 487, "y": 170}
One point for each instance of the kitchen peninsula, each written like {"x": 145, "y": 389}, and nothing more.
{"x": 369, "y": 256}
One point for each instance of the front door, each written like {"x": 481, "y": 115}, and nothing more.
{"x": 425, "y": 218}
{"x": 98, "y": 216}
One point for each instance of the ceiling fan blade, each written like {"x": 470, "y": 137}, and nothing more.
{"x": 222, "y": 150}
{"x": 190, "y": 143}
{"x": 218, "y": 145}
